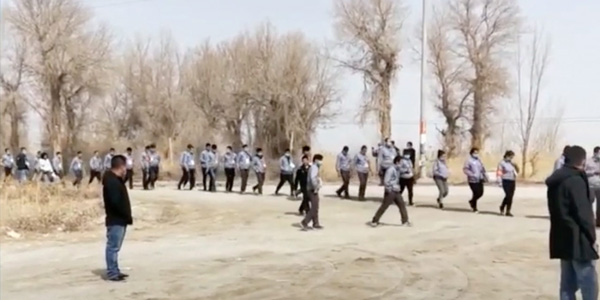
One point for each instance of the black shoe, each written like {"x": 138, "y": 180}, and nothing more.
{"x": 304, "y": 227}
{"x": 501, "y": 209}
{"x": 508, "y": 214}
{"x": 410, "y": 203}
{"x": 339, "y": 194}
{"x": 317, "y": 227}
{"x": 118, "y": 278}
{"x": 441, "y": 205}
{"x": 123, "y": 275}
{"x": 473, "y": 206}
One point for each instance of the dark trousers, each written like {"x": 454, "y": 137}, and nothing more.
{"x": 129, "y": 178}
{"x": 229, "y": 178}
{"x": 94, "y": 175}
{"x": 345, "y": 184}
{"x": 47, "y": 177}
{"x": 7, "y": 173}
{"x": 305, "y": 204}
{"x": 153, "y": 175}
{"x": 185, "y": 177}
{"x": 477, "y": 191}
{"x": 362, "y": 185}
{"x": 244, "y": 176}
{"x": 204, "y": 176}
{"x": 211, "y": 173}
{"x": 283, "y": 178}
{"x": 115, "y": 234}
{"x": 381, "y": 174}
{"x": 313, "y": 212}
{"x": 389, "y": 198}
{"x": 145, "y": 178}
{"x": 260, "y": 180}
{"x": 78, "y": 177}
{"x": 407, "y": 183}
{"x": 509, "y": 187}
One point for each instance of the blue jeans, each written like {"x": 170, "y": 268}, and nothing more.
{"x": 576, "y": 275}
{"x": 114, "y": 239}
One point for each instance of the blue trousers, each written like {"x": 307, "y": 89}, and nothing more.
{"x": 114, "y": 239}
{"x": 578, "y": 275}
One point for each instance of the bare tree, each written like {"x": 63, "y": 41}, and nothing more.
{"x": 370, "y": 31}
{"x": 452, "y": 96}
{"x": 537, "y": 57}
{"x": 11, "y": 80}
{"x": 67, "y": 62}
{"x": 485, "y": 32}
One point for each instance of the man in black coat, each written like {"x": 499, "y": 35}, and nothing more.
{"x": 118, "y": 214}
{"x": 572, "y": 231}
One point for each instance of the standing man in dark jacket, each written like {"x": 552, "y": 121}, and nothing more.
{"x": 118, "y": 214}
{"x": 411, "y": 152}
{"x": 572, "y": 230}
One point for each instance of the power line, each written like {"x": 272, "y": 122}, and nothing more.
{"x": 572, "y": 120}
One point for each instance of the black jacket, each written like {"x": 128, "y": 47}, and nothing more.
{"x": 116, "y": 200}
{"x": 572, "y": 230}
{"x": 412, "y": 153}
{"x": 21, "y": 162}
{"x": 301, "y": 177}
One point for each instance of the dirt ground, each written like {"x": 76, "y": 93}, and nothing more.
{"x": 188, "y": 245}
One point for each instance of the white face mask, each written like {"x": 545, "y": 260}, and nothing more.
{"x": 475, "y": 155}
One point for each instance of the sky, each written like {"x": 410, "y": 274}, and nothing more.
{"x": 572, "y": 81}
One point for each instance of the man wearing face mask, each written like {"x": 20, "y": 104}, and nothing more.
{"x": 363, "y": 168}
{"x": 154, "y": 162}
{"x": 244, "y": 160}
{"x": 560, "y": 161}
{"x": 107, "y": 159}
{"x": 392, "y": 194}
{"x": 407, "y": 176}
{"x": 342, "y": 166}
{"x": 259, "y": 166}
{"x": 129, "y": 167}
{"x": 229, "y": 159}
{"x": 286, "y": 169}
{"x": 118, "y": 214}
{"x": 212, "y": 164}
{"x": 204, "y": 157}
{"x": 476, "y": 176}
{"x": 313, "y": 186}
{"x": 411, "y": 152}
{"x": 385, "y": 157}
{"x": 184, "y": 161}
{"x": 592, "y": 170}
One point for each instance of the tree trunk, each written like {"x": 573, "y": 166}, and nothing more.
{"x": 477, "y": 132}
{"x": 385, "y": 109}
{"x": 55, "y": 116}
{"x": 524, "y": 159}
{"x": 14, "y": 140}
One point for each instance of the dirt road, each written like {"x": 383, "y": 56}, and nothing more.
{"x": 227, "y": 246}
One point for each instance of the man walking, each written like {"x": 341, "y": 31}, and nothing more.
{"x": 342, "y": 166}
{"x": 411, "y": 152}
{"x": 385, "y": 158}
{"x": 107, "y": 158}
{"x": 145, "y": 164}
{"x": 23, "y": 166}
{"x": 592, "y": 169}
{"x": 244, "y": 160}
{"x": 188, "y": 166}
{"x": 572, "y": 232}
{"x": 129, "y": 167}
{"x": 211, "y": 168}
{"x": 286, "y": 172}
{"x": 118, "y": 214}
{"x": 301, "y": 179}
{"x": 95, "y": 167}
{"x": 204, "y": 157}
{"x": 407, "y": 176}
{"x": 259, "y": 166}
{"x": 8, "y": 163}
{"x": 363, "y": 168}
{"x": 313, "y": 185}
{"x": 76, "y": 168}
{"x": 154, "y": 165}
{"x": 560, "y": 161}
{"x": 57, "y": 165}
{"x": 392, "y": 194}
{"x": 229, "y": 159}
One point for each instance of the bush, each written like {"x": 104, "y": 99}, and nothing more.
{"x": 44, "y": 208}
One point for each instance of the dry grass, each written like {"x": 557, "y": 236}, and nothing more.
{"x": 41, "y": 208}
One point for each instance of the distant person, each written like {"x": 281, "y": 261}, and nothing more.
{"x": 129, "y": 166}
{"x": 145, "y": 165}
{"x": 244, "y": 161}
{"x": 411, "y": 152}
{"x": 107, "y": 158}
{"x": 392, "y": 194}
{"x": 229, "y": 164}
{"x": 57, "y": 165}
{"x": 259, "y": 166}
{"x": 76, "y": 168}
{"x": 204, "y": 164}
{"x": 476, "y": 176}
{"x": 506, "y": 176}
{"x": 305, "y": 152}
{"x": 407, "y": 176}
{"x": 385, "y": 157}
{"x": 313, "y": 186}
{"x": 441, "y": 172}
{"x": 187, "y": 163}
{"x": 286, "y": 172}
{"x": 118, "y": 215}
{"x": 45, "y": 168}
{"x": 363, "y": 168}
{"x": 36, "y": 165}
{"x": 572, "y": 232}
{"x": 592, "y": 169}
{"x": 342, "y": 166}
{"x": 96, "y": 167}
{"x": 211, "y": 166}
{"x": 154, "y": 165}
{"x": 8, "y": 162}
{"x": 560, "y": 161}
{"x": 23, "y": 166}
{"x": 301, "y": 182}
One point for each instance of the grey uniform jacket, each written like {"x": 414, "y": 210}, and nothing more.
{"x": 440, "y": 169}
{"x": 286, "y": 166}
{"x": 474, "y": 170}
{"x": 361, "y": 163}
{"x": 313, "y": 180}
{"x": 592, "y": 169}
{"x": 244, "y": 160}
{"x": 385, "y": 157}
{"x": 96, "y": 163}
{"x": 258, "y": 164}
{"x": 342, "y": 162}
{"x": 391, "y": 179}
{"x": 229, "y": 160}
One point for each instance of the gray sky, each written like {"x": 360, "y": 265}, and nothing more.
{"x": 572, "y": 79}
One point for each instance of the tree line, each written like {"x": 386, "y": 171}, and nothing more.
{"x": 261, "y": 87}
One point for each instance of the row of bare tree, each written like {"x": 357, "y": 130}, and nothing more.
{"x": 260, "y": 87}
